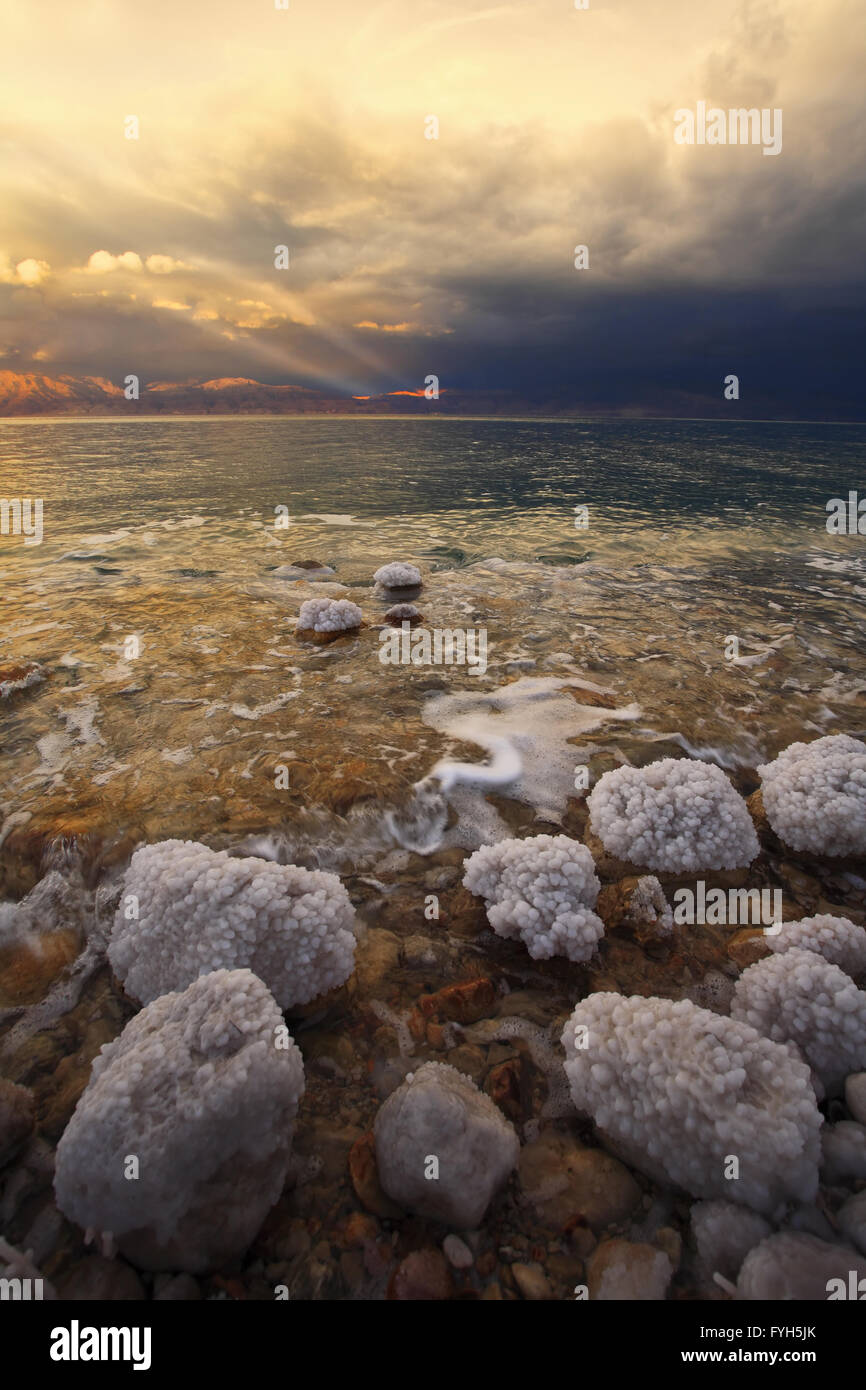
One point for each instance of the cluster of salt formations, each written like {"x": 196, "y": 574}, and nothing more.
{"x": 814, "y": 795}
{"x": 799, "y": 997}
{"x": 398, "y": 575}
{"x": 676, "y": 815}
{"x": 676, "y": 1090}
{"x": 438, "y": 1116}
{"x": 541, "y": 890}
{"x": 200, "y": 1093}
{"x": 187, "y": 910}
{"x": 329, "y": 615}
{"x": 835, "y": 938}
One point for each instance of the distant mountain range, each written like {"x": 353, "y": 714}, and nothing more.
{"x": 28, "y": 393}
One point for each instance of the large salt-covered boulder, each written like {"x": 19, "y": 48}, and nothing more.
{"x": 678, "y": 815}
{"x": 838, "y": 940}
{"x": 793, "y": 1265}
{"x": 540, "y": 891}
{"x": 799, "y": 997}
{"x": 187, "y": 909}
{"x": 680, "y": 1092}
{"x": 180, "y": 1144}
{"x": 814, "y": 795}
{"x": 443, "y": 1149}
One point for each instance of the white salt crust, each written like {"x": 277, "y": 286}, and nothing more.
{"x": 398, "y": 575}
{"x": 799, "y": 997}
{"x": 196, "y": 1089}
{"x": 677, "y": 1090}
{"x": 199, "y": 910}
{"x": 676, "y": 815}
{"x": 814, "y": 795}
{"x": 437, "y": 1112}
{"x": 541, "y": 891}
{"x": 330, "y": 615}
{"x": 838, "y": 940}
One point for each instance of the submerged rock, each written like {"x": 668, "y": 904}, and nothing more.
{"x": 423, "y": 1275}
{"x": 564, "y": 1180}
{"x": 623, "y": 1269}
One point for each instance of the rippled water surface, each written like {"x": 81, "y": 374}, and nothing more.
{"x": 165, "y": 530}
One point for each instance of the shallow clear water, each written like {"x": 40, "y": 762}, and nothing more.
{"x": 611, "y": 642}
{"x": 165, "y": 530}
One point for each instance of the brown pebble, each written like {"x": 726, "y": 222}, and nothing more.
{"x": 422, "y": 1276}
{"x": 532, "y": 1282}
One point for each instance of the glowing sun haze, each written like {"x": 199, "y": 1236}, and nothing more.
{"x": 305, "y": 127}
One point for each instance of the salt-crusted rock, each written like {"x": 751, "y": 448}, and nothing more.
{"x": 201, "y": 1089}
{"x": 676, "y": 815}
{"x": 628, "y": 1270}
{"x": 795, "y": 1266}
{"x": 839, "y": 941}
{"x": 402, "y": 613}
{"x": 724, "y": 1234}
{"x": 438, "y": 1114}
{"x": 542, "y": 891}
{"x": 843, "y": 1151}
{"x": 638, "y": 904}
{"x": 329, "y": 615}
{"x": 680, "y": 1091}
{"x": 799, "y": 997}
{"x": 198, "y": 910}
{"x": 17, "y": 1118}
{"x": 398, "y": 575}
{"x": 814, "y": 795}
{"x": 855, "y": 1096}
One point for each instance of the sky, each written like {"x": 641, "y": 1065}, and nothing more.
{"x": 307, "y": 127}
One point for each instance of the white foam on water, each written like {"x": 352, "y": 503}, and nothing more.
{"x": 526, "y": 727}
